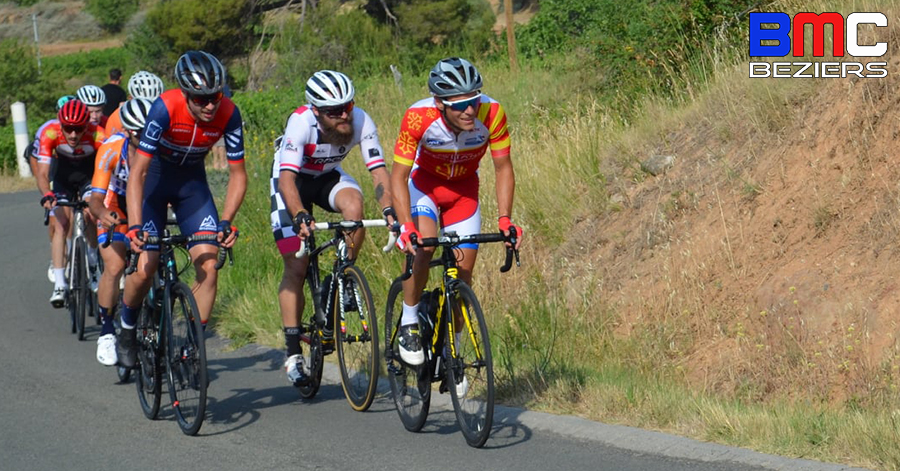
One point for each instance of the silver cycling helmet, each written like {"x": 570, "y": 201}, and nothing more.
{"x": 144, "y": 84}
{"x": 200, "y": 73}
{"x": 91, "y": 95}
{"x": 329, "y": 88}
{"x": 453, "y": 76}
{"x": 134, "y": 113}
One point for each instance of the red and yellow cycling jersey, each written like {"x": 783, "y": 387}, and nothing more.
{"x": 54, "y": 144}
{"x": 428, "y": 142}
{"x": 111, "y": 170}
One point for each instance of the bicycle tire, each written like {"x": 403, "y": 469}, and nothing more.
{"x": 410, "y": 386}
{"x": 148, "y": 380}
{"x": 122, "y": 372}
{"x": 472, "y": 364}
{"x": 185, "y": 358}
{"x": 314, "y": 359}
{"x": 356, "y": 339}
{"x": 80, "y": 285}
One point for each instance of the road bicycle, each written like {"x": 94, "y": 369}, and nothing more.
{"x": 463, "y": 367}
{"x": 341, "y": 298}
{"x": 81, "y": 301}
{"x": 170, "y": 335}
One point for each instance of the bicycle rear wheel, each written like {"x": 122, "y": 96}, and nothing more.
{"x": 357, "y": 338}
{"x": 186, "y": 359}
{"x": 80, "y": 285}
{"x": 148, "y": 380}
{"x": 470, "y": 371}
{"x": 410, "y": 386}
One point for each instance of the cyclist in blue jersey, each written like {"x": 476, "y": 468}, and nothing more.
{"x": 168, "y": 169}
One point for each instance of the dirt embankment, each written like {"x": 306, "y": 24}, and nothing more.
{"x": 770, "y": 251}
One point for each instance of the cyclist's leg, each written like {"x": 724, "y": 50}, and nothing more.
{"x": 197, "y": 214}
{"x": 463, "y": 216}
{"x": 346, "y": 197}
{"x": 113, "y": 269}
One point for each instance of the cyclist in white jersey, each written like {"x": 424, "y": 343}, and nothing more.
{"x": 307, "y": 170}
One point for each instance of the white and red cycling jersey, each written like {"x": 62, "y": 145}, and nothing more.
{"x": 426, "y": 141}
{"x": 302, "y": 152}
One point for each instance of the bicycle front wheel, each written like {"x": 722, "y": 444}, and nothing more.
{"x": 470, "y": 370}
{"x": 148, "y": 380}
{"x": 410, "y": 386}
{"x": 357, "y": 338}
{"x": 186, "y": 359}
{"x": 80, "y": 285}
{"x": 314, "y": 359}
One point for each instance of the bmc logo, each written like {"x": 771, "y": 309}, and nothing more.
{"x": 844, "y": 38}
{"x": 840, "y": 31}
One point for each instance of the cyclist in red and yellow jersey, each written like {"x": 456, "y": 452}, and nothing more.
{"x": 73, "y": 143}
{"x": 435, "y": 177}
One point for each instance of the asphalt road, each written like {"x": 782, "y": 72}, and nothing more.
{"x": 60, "y": 409}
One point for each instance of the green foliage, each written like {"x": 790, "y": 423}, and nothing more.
{"x": 112, "y": 14}
{"x": 25, "y": 3}
{"x": 219, "y": 27}
{"x": 626, "y": 53}
{"x": 150, "y": 50}
{"x": 332, "y": 37}
{"x": 447, "y": 24}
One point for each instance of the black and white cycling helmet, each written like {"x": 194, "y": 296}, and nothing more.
{"x": 200, "y": 73}
{"x": 144, "y": 84}
{"x": 453, "y": 76}
{"x": 329, "y": 88}
{"x": 134, "y": 113}
{"x": 91, "y": 95}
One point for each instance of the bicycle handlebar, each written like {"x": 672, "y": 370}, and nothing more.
{"x": 349, "y": 226}
{"x": 452, "y": 239}
{"x": 179, "y": 239}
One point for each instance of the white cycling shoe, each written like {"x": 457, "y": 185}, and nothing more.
{"x": 106, "y": 350}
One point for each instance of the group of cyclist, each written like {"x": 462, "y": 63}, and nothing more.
{"x": 149, "y": 155}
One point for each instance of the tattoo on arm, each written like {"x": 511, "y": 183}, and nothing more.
{"x": 379, "y": 192}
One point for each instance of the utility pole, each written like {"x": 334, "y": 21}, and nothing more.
{"x": 510, "y": 36}
{"x": 37, "y": 45}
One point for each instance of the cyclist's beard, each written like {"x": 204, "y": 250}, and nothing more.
{"x": 336, "y": 137}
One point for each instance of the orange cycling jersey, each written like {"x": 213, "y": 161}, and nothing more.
{"x": 111, "y": 170}
{"x": 114, "y": 123}
{"x": 428, "y": 142}
{"x": 53, "y": 139}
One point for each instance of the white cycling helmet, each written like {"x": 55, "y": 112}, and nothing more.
{"x": 134, "y": 113}
{"x": 329, "y": 88}
{"x": 91, "y": 95}
{"x": 453, "y": 76}
{"x": 144, "y": 84}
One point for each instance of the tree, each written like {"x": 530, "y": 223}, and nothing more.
{"x": 112, "y": 14}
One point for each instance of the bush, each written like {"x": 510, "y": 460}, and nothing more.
{"x": 219, "y": 27}
{"x": 112, "y": 14}
{"x": 629, "y": 54}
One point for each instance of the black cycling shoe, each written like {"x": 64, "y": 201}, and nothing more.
{"x": 127, "y": 347}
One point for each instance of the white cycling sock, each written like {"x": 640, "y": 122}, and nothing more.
{"x": 60, "y": 275}
{"x": 410, "y": 315}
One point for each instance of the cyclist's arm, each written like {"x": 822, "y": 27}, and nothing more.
{"x": 373, "y": 157}
{"x": 400, "y": 191}
{"x": 287, "y": 186}
{"x": 237, "y": 188}
{"x": 134, "y": 192}
{"x": 506, "y": 184}
{"x": 43, "y": 177}
{"x": 381, "y": 180}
